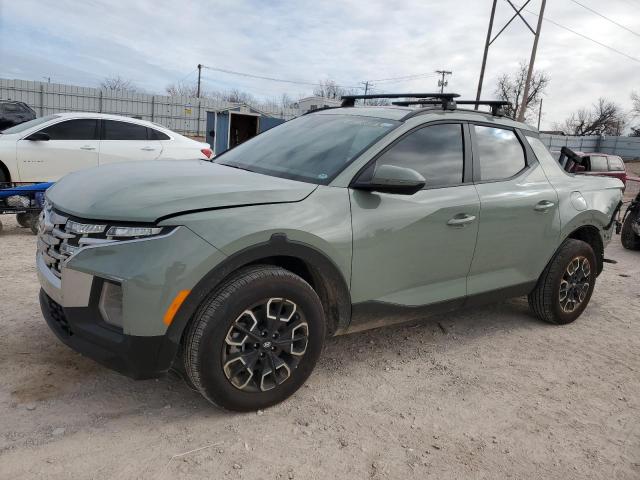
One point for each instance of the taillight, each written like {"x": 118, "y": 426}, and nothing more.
{"x": 207, "y": 152}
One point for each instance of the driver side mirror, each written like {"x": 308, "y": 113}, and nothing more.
{"x": 39, "y": 137}
{"x": 392, "y": 179}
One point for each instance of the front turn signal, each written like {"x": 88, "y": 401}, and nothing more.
{"x": 175, "y": 306}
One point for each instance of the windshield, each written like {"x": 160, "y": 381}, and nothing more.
{"x": 21, "y": 127}
{"x": 312, "y": 148}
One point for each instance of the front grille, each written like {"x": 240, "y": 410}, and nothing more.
{"x": 56, "y": 243}
{"x": 58, "y": 316}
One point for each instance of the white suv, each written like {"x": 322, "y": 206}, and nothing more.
{"x": 48, "y": 148}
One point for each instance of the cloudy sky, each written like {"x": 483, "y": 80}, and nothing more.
{"x": 158, "y": 42}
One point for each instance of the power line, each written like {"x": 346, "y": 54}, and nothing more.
{"x": 606, "y": 18}
{"x": 272, "y": 79}
{"x": 547, "y": 19}
{"x": 405, "y": 77}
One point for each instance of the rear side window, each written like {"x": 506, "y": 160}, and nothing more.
{"x": 598, "y": 163}
{"x": 156, "y": 135}
{"x": 80, "y": 129}
{"x": 10, "y": 108}
{"x": 114, "y": 130}
{"x": 500, "y": 152}
{"x": 616, "y": 164}
{"x": 436, "y": 152}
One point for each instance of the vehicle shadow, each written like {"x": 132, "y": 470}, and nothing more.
{"x": 55, "y": 376}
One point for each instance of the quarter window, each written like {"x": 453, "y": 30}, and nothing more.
{"x": 156, "y": 135}
{"x": 436, "y": 152}
{"x": 616, "y": 164}
{"x": 114, "y": 130}
{"x": 80, "y": 129}
{"x": 500, "y": 152}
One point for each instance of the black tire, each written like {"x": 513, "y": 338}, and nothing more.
{"x": 547, "y": 300}
{"x": 34, "y": 222}
{"x": 630, "y": 239}
{"x": 24, "y": 219}
{"x": 211, "y": 344}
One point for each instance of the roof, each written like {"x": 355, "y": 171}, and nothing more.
{"x": 108, "y": 116}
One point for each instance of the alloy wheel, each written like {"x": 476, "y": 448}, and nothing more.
{"x": 264, "y": 345}
{"x": 575, "y": 284}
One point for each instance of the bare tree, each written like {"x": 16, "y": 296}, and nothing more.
{"x": 329, "y": 89}
{"x": 118, "y": 84}
{"x": 182, "y": 90}
{"x": 510, "y": 87}
{"x": 635, "y": 114}
{"x": 603, "y": 118}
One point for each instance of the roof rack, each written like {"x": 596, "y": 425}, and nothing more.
{"x": 445, "y": 99}
{"x": 496, "y": 105}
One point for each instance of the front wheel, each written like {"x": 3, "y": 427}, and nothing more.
{"x": 255, "y": 340}
{"x": 630, "y": 234}
{"x": 566, "y": 285}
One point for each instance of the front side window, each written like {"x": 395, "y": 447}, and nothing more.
{"x": 500, "y": 152}
{"x": 79, "y": 129}
{"x": 616, "y": 164}
{"x": 436, "y": 152}
{"x": 313, "y": 148}
{"x": 114, "y": 130}
{"x": 598, "y": 163}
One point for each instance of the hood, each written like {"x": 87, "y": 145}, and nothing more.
{"x": 147, "y": 191}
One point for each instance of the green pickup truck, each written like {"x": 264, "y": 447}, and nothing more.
{"x": 235, "y": 271}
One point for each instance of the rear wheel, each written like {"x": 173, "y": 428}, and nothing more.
{"x": 566, "y": 285}
{"x": 630, "y": 237}
{"x": 24, "y": 219}
{"x": 255, "y": 340}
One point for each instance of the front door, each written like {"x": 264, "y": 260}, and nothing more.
{"x": 416, "y": 250}
{"x": 519, "y": 217}
{"x": 73, "y": 145}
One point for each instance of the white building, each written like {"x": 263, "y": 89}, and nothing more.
{"x": 308, "y": 104}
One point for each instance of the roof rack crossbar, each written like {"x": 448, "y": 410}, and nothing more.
{"x": 496, "y": 105}
{"x": 350, "y": 100}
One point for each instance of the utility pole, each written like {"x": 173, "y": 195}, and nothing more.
{"x": 486, "y": 52}
{"x": 199, "y": 72}
{"x": 366, "y": 89}
{"x": 539, "y": 113}
{"x": 443, "y": 83}
{"x": 527, "y": 84}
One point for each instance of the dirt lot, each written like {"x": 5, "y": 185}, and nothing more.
{"x": 490, "y": 393}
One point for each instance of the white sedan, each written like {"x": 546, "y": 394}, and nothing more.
{"x": 48, "y": 148}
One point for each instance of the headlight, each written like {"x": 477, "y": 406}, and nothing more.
{"x": 83, "y": 228}
{"x": 133, "y": 231}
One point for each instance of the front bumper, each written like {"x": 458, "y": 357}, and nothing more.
{"x": 79, "y": 328}
{"x": 150, "y": 273}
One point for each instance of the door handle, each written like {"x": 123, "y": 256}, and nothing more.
{"x": 148, "y": 149}
{"x": 87, "y": 147}
{"x": 461, "y": 220}
{"x": 543, "y": 206}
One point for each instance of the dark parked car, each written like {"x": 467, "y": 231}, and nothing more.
{"x": 13, "y": 113}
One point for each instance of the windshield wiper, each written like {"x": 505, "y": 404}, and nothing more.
{"x": 236, "y": 166}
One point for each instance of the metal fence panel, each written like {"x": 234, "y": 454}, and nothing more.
{"x": 187, "y": 115}
{"x": 626, "y": 147}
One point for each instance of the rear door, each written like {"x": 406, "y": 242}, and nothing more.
{"x": 127, "y": 141}
{"x": 73, "y": 145}
{"x": 416, "y": 250}
{"x": 519, "y": 217}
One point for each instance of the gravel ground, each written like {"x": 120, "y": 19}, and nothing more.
{"x": 489, "y": 393}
